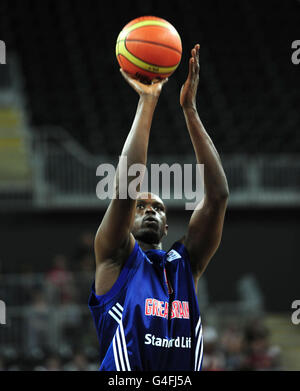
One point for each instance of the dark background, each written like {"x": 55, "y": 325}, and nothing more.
{"x": 248, "y": 96}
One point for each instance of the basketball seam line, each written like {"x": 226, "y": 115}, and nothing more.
{"x": 147, "y": 70}
{"x": 158, "y": 73}
{"x": 153, "y": 43}
{"x": 154, "y": 65}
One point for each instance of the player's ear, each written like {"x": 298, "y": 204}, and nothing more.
{"x": 166, "y": 230}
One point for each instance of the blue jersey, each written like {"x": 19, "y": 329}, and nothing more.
{"x": 150, "y": 319}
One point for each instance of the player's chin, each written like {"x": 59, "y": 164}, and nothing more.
{"x": 148, "y": 235}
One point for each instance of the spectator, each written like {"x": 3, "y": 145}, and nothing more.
{"x": 261, "y": 356}
{"x": 69, "y": 322}
{"x": 60, "y": 281}
{"x": 79, "y": 363}
{"x": 52, "y": 363}
{"x": 232, "y": 346}
{"x": 213, "y": 358}
{"x": 38, "y": 321}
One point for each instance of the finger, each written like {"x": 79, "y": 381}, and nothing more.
{"x": 129, "y": 77}
{"x": 125, "y": 75}
{"x": 134, "y": 83}
{"x": 197, "y": 51}
{"x": 191, "y": 66}
{"x": 160, "y": 80}
{"x": 121, "y": 71}
{"x": 196, "y": 57}
{"x": 143, "y": 79}
{"x": 156, "y": 80}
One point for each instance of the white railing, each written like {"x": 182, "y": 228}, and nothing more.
{"x": 65, "y": 175}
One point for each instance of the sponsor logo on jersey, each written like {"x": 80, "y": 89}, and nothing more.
{"x": 178, "y": 342}
{"x": 179, "y": 309}
{"x": 173, "y": 254}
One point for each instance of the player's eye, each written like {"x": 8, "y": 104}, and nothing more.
{"x": 140, "y": 206}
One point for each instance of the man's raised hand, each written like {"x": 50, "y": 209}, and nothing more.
{"x": 189, "y": 89}
{"x": 153, "y": 89}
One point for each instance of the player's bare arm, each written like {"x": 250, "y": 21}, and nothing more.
{"x": 206, "y": 224}
{"x": 113, "y": 240}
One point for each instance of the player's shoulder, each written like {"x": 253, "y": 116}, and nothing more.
{"x": 177, "y": 251}
{"x": 114, "y": 272}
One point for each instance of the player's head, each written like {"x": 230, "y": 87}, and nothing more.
{"x": 150, "y": 224}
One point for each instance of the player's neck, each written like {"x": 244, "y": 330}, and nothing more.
{"x": 149, "y": 246}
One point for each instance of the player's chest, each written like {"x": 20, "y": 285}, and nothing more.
{"x": 159, "y": 294}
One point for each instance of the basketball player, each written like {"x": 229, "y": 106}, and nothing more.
{"x": 144, "y": 300}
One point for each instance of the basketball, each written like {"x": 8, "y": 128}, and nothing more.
{"x": 149, "y": 47}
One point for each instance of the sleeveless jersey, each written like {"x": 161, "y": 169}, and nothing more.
{"x": 150, "y": 319}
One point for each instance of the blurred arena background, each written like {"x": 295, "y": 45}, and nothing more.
{"x": 64, "y": 109}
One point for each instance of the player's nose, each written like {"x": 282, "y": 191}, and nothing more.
{"x": 150, "y": 209}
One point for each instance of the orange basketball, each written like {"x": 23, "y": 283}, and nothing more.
{"x": 149, "y": 47}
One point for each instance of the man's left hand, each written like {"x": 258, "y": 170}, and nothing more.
{"x": 189, "y": 89}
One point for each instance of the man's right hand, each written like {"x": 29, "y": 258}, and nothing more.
{"x": 153, "y": 89}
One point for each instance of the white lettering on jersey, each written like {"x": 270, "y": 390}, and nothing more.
{"x": 178, "y": 342}
{"x": 179, "y": 309}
